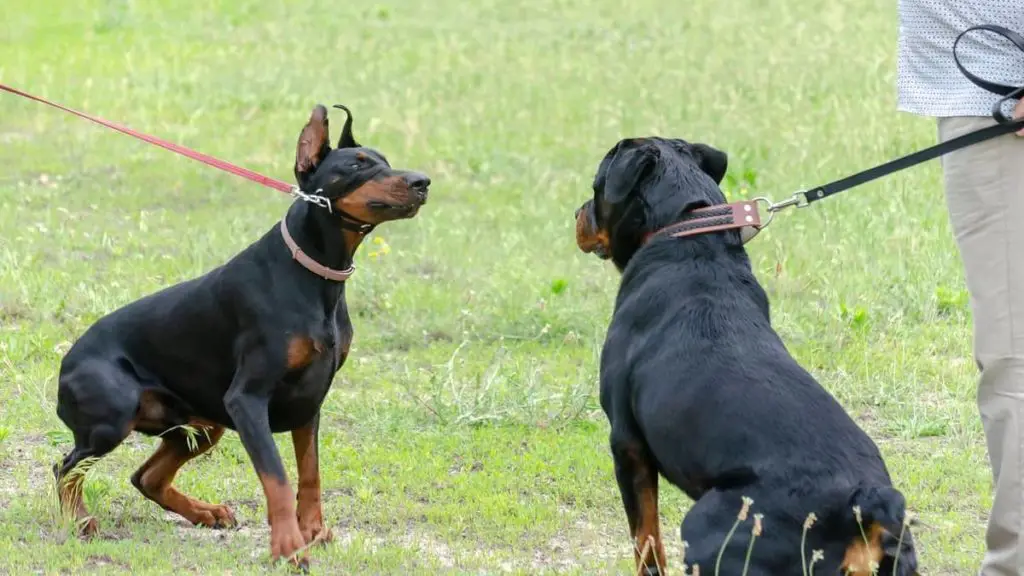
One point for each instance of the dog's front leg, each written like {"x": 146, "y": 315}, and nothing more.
{"x": 307, "y": 458}
{"x": 247, "y": 402}
{"x": 638, "y": 484}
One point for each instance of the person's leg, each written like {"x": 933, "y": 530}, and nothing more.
{"x": 985, "y": 194}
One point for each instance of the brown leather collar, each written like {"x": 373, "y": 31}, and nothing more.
{"x": 310, "y": 264}
{"x": 737, "y": 215}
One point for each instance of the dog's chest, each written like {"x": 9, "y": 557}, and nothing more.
{"x": 314, "y": 354}
{"x": 299, "y": 394}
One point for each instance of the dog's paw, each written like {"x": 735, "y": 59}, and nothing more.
{"x": 299, "y": 565}
{"x": 314, "y": 531}
{"x": 217, "y": 517}
{"x": 311, "y": 526}
{"x": 319, "y": 534}
{"x": 87, "y": 527}
{"x": 287, "y": 543}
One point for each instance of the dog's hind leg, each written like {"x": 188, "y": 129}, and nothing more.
{"x": 98, "y": 404}
{"x": 155, "y": 477}
{"x": 637, "y": 477}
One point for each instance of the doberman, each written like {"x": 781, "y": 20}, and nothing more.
{"x": 252, "y": 345}
{"x": 699, "y": 388}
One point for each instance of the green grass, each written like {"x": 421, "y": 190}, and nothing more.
{"x": 494, "y": 458}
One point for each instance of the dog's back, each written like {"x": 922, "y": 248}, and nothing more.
{"x": 727, "y": 412}
{"x": 691, "y": 327}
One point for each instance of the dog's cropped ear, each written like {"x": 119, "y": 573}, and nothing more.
{"x": 314, "y": 144}
{"x": 626, "y": 170}
{"x": 346, "y": 140}
{"x": 712, "y": 161}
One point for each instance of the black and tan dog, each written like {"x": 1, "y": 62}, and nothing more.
{"x": 252, "y": 346}
{"x": 699, "y": 389}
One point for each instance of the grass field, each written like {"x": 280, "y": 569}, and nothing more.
{"x": 464, "y": 434}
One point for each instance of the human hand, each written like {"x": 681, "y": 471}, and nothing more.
{"x": 1018, "y": 112}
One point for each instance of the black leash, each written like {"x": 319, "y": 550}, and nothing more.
{"x": 1004, "y": 125}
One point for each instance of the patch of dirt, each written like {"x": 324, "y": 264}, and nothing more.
{"x": 436, "y": 336}
{"x": 587, "y": 540}
{"x": 102, "y": 560}
{"x": 40, "y": 475}
{"x": 12, "y": 312}
{"x": 344, "y": 492}
{"x": 605, "y": 543}
{"x": 251, "y": 537}
{"x": 411, "y": 539}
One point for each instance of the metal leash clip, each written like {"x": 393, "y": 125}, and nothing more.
{"x": 315, "y": 198}
{"x": 799, "y": 199}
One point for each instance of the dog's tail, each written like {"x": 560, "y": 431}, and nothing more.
{"x": 879, "y": 515}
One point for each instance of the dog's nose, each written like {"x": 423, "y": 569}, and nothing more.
{"x": 418, "y": 183}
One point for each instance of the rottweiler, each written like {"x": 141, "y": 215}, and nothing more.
{"x": 699, "y": 388}
{"x": 252, "y": 345}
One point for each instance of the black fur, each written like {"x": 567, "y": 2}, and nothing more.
{"x": 219, "y": 349}
{"x": 695, "y": 379}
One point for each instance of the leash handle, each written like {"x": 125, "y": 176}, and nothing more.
{"x": 188, "y": 153}
{"x": 1008, "y": 93}
{"x": 1015, "y": 38}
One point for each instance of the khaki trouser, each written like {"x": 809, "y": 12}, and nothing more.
{"x": 985, "y": 195}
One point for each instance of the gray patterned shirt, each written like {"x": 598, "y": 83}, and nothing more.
{"x": 928, "y": 82}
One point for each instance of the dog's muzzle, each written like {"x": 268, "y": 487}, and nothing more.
{"x": 587, "y": 237}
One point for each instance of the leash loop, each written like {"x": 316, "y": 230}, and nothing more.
{"x": 1008, "y": 93}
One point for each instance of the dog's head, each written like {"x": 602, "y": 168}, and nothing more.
{"x": 642, "y": 185}
{"x": 357, "y": 180}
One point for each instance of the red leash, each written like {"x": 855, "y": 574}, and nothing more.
{"x": 188, "y": 153}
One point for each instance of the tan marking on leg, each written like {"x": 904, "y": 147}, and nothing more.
{"x": 156, "y": 475}
{"x": 285, "y": 537}
{"x": 648, "y": 528}
{"x": 310, "y": 506}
